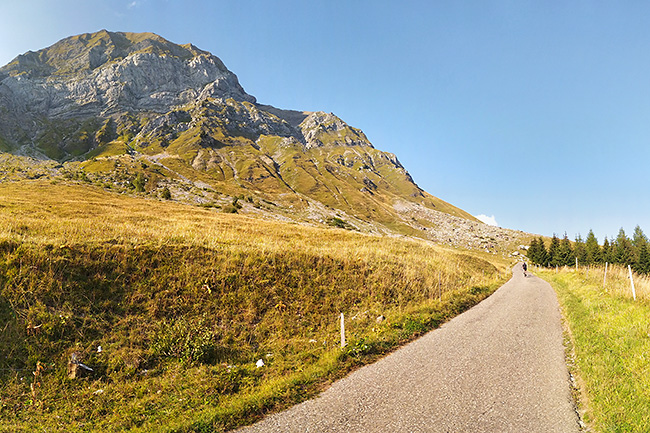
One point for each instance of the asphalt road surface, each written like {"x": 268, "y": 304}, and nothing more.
{"x": 498, "y": 367}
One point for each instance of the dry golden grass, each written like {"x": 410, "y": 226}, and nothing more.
{"x": 617, "y": 282}
{"x": 43, "y": 213}
{"x": 193, "y": 297}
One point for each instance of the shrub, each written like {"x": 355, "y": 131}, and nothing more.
{"x": 166, "y": 194}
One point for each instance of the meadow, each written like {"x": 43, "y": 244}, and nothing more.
{"x": 610, "y": 337}
{"x": 175, "y": 307}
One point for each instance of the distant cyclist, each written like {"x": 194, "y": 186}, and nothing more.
{"x": 525, "y": 268}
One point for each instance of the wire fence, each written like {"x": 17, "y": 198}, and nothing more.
{"x": 614, "y": 279}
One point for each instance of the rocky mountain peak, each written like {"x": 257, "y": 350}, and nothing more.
{"x": 86, "y": 52}
{"x": 323, "y": 129}
{"x": 104, "y": 73}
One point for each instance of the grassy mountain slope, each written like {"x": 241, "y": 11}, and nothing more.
{"x": 114, "y": 107}
{"x": 219, "y": 144}
{"x": 183, "y": 301}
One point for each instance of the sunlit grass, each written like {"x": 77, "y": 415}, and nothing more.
{"x": 611, "y": 339}
{"x": 618, "y": 282}
{"x": 184, "y": 301}
{"x": 614, "y": 280}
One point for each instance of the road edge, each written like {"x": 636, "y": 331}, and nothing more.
{"x": 576, "y": 384}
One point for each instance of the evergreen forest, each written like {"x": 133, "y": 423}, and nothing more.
{"x": 622, "y": 250}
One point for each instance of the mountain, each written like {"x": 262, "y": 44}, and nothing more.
{"x": 133, "y": 111}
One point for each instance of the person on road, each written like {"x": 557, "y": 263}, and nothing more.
{"x": 525, "y": 267}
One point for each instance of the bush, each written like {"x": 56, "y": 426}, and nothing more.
{"x": 139, "y": 182}
{"x": 166, "y": 194}
{"x": 338, "y": 222}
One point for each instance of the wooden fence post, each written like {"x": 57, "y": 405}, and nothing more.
{"x": 605, "y": 278}
{"x": 342, "y": 331}
{"x": 631, "y": 282}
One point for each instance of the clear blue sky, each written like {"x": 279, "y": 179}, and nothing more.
{"x": 536, "y": 112}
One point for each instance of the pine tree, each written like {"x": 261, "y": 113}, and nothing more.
{"x": 580, "y": 251}
{"x": 554, "y": 251}
{"x": 537, "y": 252}
{"x": 542, "y": 253}
{"x": 607, "y": 253}
{"x": 639, "y": 239}
{"x": 566, "y": 252}
{"x": 642, "y": 265}
{"x": 592, "y": 249}
{"x": 623, "y": 251}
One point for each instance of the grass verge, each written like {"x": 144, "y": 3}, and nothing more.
{"x": 173, "y": 306}
{"x": 611, "y": 339}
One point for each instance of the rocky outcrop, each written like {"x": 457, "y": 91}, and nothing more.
{"x": 107, "y": 73}
{"x": 323, "y": 129}
{"x": 121, "y": 75}
{"x": 457, "y": 232}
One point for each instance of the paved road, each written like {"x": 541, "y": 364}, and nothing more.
{"x": 498, "y": 367}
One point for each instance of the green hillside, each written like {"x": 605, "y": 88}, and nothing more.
{"x": 215, "y": 147}
{"x": 172, "y": 306}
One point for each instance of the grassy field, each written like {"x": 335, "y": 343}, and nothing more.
{"x": 610, "y": 333}
{"x": 172, "y": 306}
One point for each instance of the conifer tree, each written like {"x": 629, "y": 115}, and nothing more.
{"x": 623, "y": 251}
{"x": 607, "y": 252}
{"x": 639, "y": 239}
{"x": 541, "y": 252}
{"x": 642, "y": 265}
{"x": 554, "y": 251}
{"x": 580, "y": 250}
{"x": 592, "y": 250}
{"x": 537, "y": 252}
{"x": 566, "y": 252}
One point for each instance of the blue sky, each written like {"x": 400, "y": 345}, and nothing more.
{"x": 534, "y": 112}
